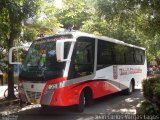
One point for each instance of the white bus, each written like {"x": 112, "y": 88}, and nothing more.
{"x": 75, "y": 68}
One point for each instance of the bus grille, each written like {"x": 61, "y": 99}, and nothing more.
{"x": 32, "y": 95}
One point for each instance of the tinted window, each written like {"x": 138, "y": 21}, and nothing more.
{"x": 117, "y": 54}
{"x": 105, "y": 54}
{"x": 41, "y": 63}
{"x": 130, "y": 56}
{"x": 82, "y": 63}
{"x": 139, "y": 56}
{"x": 120, "y": 54}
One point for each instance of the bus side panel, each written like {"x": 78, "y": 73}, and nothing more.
{"x": 137, "y": 76}
{"x": 69, "y": 95}
{"x": 102, "y": 88}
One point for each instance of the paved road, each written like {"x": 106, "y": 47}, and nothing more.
{"x": 113, "y": 104}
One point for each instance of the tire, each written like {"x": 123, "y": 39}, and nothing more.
{"x": 89, "y": 100}
{"x": 82, "y": 102}
{"x": 130, "y": 90}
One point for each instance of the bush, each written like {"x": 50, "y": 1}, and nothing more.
{"x": 157, "y": 94}
{"x": 149, "y": 86}
{"x": 148, "y": 108}
{"x": 151, "y": 92}
{"x": 157, "y": 72}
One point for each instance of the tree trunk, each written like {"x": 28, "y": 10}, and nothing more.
{"x": 11, "y": 94}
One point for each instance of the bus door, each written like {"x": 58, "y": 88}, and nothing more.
{"x": 82, "y": 61}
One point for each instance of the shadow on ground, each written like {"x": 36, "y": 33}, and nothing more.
{"x": 117, "y": 103}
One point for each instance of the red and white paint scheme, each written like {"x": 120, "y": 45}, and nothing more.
{"x": 75, "y": 68}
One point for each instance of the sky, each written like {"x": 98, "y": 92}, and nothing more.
{"x": 58, "y": 3}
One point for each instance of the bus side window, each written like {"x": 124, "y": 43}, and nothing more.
{"x": 120, "y": 54}
{"x": 139, "y": 56}
{"x": 130, "y": 56}
{"x": 105, "y": 54}
{"x": 82, "y": 62}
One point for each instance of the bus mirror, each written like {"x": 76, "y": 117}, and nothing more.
{"x": 11, "y": 53}
{"x": 60, "y": 51}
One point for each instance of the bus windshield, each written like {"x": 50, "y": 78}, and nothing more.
{"x": 41, "y": 63}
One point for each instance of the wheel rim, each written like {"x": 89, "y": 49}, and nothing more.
{"x": 131, "y": 88}
{"x": 84, "y": 100}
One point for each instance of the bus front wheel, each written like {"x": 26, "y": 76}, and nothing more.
{"x": 82, "y": 102}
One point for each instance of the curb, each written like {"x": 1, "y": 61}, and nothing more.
{"x": 9, "y": 102}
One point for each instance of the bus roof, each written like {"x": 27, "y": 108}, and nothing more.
{"x": 77, "y": 34}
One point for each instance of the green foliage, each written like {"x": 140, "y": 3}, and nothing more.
{"x": 148, "y": 87}
{"x": 151, "y": 92}
{"x": 150, "y": 57}
{"x": 44, "y": 22}
{"x": 46, "y": 19}
{"x": 147, "y": 108}
{"x": 74, "y": 13}
{"x": 113, "y": 21}
{"x": 29, "y": 35}
{"x": 12, "y": 14}
{"x": 157, "y": 91}
{"x": 144, "y": 13}
{"x": 132, "y": 21}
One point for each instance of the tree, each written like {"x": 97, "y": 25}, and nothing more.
{"x": 132, "y": 21}
{"x": 111, "y": 24}
{"x": 44, "y": 22}
{"x": 73, "y": 13}
{"x": 12, "y": 14}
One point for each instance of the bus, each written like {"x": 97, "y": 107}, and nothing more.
{"x": 74, "y": 68}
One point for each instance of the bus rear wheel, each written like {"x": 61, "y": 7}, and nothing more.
{"x": 130, "y": 89}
